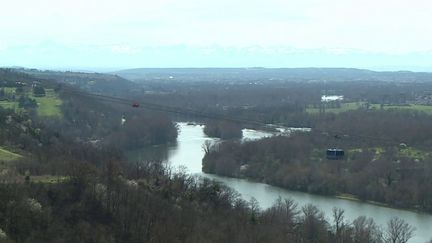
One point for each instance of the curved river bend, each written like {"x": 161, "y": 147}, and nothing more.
{"x": 188, "y": 153}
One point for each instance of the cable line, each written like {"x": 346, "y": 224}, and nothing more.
{"x": 186, "y": 111}
{"x": 169, "y": 109}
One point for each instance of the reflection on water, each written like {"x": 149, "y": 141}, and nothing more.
{"x": 188, "y": 153}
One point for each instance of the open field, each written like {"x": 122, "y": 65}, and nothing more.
{"x": 48, "y": 106}
{"x": 356, "y": 105}
{"x": 423, "y": 108}
{"x": 344, "y": 107}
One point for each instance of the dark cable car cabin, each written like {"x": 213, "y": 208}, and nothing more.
{"x": 135, "y": 105}
{"x": 335, "y": 154}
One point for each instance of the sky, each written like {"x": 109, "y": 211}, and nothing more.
{"x": 108, "y": 34}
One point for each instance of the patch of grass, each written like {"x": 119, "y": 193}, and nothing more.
{"x": 347, "y": 196}
{"x": 7, "y": 156}
{"x": 408, "y": 152}
{"x": 49, "y": 105}
{"x": 351, "y": 197}
{"x": 9, "y": 90}
{"x": 413, "y": 107}
{"x": 356, "y": 105}
{"x": 343, "y": 108}
{"x": 356, "y": 150}
{"x": 48, "y": 179}
{"x": 413, "y": 153}
{"x": 378, "y": 152}
{"x": 9, "y": 104}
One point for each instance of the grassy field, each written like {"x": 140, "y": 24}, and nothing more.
{"x": 356, "y": 105}
{"x": 48, "y": 179}
{"x": 48, "y": 106}
{"x": 344, "y": 107}
{"x": 423, "y": 108}
{"x": 8, "y": 156}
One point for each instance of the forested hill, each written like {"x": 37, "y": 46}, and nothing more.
{"x": 91, "y": 82}
{"x": 9, "y": 77}
{"x": 77, "y": 115}
{"x": 270, "y": 74}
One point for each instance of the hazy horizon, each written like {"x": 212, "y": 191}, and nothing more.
{"x": 116, "y": 69}
{"x": 109, "y": 35}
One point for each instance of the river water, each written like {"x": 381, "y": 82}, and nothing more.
{"x": 188, "y": 153}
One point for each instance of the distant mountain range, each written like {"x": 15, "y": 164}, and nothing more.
{"x": 269, "y": 74}
{"x": 130, "y": 81}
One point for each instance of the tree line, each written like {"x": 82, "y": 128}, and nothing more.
{"x": 147, "y": 202}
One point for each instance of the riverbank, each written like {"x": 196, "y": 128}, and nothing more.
{"x": 342, "y": 196}
{"x": 351, "y": 197}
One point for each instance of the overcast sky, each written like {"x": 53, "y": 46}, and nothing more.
{"x": 205, "y": 33}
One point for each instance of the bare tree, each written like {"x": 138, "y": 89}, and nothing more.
{"x": 254, "y": 209}
{"x": 207, "y": 146}
{"x": 366, "y": 230}
{"x": 398, "y": 231}
{"x": 314, "y": 225}
{"x": 283, "y": 211}
{"x": 338, "y": 218}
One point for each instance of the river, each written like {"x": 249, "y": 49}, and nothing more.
{"x": 188, "y": 153}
